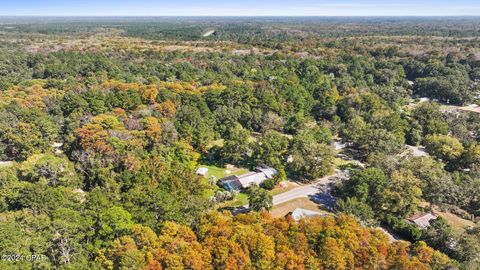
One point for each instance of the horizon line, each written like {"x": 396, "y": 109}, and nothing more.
{"x": 213, "y": 16}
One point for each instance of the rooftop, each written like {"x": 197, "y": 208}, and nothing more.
{"x": 301, "y": 213}
{"x": 250, "y": 178}
{"x": 202, "y": 171}
{"x": 245, "y": 180}
{"x": 423, "y": 219}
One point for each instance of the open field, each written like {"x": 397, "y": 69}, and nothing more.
{"x": 450, "y": 108}
{"x": 4, "y": 164}
{"x": 458, "y": 224}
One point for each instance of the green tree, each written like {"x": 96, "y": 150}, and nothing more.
{"x": 113, "y": 223}
{"x": 236, "y": 146}
{"x": 439, "y": 235}
{"x": 444, "y": 147}
{"x": 471, "y": 157}
{"x": 362, "y": 211}
{"x": 368, "y": 186}
{"x": 50, "y": 169}
{"x": 311, "y": 160}
{"x": 429, "y": 117}
{"x": 271, "y": 149}
{"x": 378, "y": 141}
{"x": 403, "y": 194}
{"x": 259, "y": 199}
{"x": 437, "y": 184}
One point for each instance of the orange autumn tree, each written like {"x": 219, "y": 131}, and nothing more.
{"x": 166, "y": 109}
{"x": 153, "y": 130}
{"x": 106, "y": 132}
{"x": 34, "y": 96}
{"x": 258, "y": 241}
{"x": 94, "y": 135}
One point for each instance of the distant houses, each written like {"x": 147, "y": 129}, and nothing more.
{"x": 209, "y": 33}
{"x": 58, "y": 148}
{"x": 236, "y": 183}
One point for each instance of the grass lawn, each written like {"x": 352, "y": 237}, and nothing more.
{"x": 240, "y": 200}
{"x": 4, "y": 164}
{"x": 218, "y": 172}
{"x": 282, "y": 209}
{"x": 281, "y": 189}
{"x": 214, "y": 171}
{"x": 337, "y": 162}
{"x": 458, "y": 224}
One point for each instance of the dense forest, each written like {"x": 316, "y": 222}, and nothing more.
{"x": 104, "y": 123}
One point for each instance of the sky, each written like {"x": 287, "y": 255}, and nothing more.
{"x": 240, "y": 8}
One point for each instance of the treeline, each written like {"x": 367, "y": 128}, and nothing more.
{"x": 252, "y": 29}
{"x": 260, "y": 242}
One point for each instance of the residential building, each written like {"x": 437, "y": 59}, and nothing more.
{"x": 235, "y": 183}
{"x": 422, "y": 220}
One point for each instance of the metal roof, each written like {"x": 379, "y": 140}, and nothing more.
{"x": 300, "y": 213}
{"x": 201, "y": 171}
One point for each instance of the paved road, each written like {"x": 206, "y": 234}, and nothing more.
{"x": 318, "y": 192}
{"x": 314, "y": 190}
{"x": 305, "y": 191}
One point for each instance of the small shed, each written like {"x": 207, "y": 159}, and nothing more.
{"x": 202, "y": 171}
{"x": 58, "y": 147}
{"x": 81, "y": 194}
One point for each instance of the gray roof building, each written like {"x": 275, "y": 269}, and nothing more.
{"x": 300, "y": 213}
{"x": 235, "y": 182}
{"x": 422, "y": 220}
